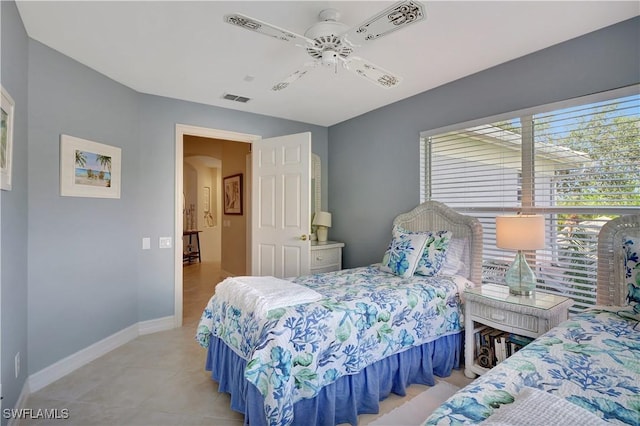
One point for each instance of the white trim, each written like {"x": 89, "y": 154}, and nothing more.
{"x": 84, "y": 356}
{"x": 181, "y": 130}
{"x": 21, "y": 403}
{"x": 156, "y": 325}
{"x": 596, "y": 97}
{"x": 205, "y": 132}
{"x": 8, "y": 106}
{"x": 67, "y": 365}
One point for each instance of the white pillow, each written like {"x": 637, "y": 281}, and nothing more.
{"x": 457, "y": 259}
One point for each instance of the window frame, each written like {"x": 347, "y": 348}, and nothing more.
{"x": 526, "y": 182}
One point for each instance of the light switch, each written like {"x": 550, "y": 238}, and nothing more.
{"x": 146, "y": 243}
{"x": 165, "y": 242}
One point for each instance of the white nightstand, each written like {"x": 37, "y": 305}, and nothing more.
{"x": 325, "y": 257}
{"x": 492, "y": 305}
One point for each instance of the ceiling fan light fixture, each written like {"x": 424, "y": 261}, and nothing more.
{"x": 329, "y": 57}
{"x": 326, "y": 29}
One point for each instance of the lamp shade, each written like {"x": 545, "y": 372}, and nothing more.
{"x": 322, "y": 219}
{"x": 522, "y": 232}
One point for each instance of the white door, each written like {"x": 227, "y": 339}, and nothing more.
{"x": 281, "y": 206}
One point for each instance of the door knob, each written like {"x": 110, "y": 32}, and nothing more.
{"x": 304, "y": 237}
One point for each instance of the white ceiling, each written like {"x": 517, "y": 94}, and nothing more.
{"x": 184, "y": 50}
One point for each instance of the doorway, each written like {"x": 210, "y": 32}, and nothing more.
{"x": 202, "y": 215}
{"x": 181, "y": 132}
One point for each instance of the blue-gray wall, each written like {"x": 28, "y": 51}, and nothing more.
{"x": 72, "y": 269}
{"x": 88, "y": 277}
{"x": 83, "y": 269}
{"x": 374, "y": 158}
{"x": 158, "y": 117}
{"x": 13, "y": 210}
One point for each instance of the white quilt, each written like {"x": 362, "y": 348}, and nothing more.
{"x": 261, "y": 294}
{"x": 534, "y": 407}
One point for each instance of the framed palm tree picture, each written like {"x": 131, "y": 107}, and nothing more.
{"x": 6, "y": 139}
{"x": 89, "y": 169}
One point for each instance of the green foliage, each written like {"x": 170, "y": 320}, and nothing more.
{"x": 612, "y": 141}
{"x": 81, "y": 159}
{"x": 609, "y": 136}
{"x": 105, "y": 161}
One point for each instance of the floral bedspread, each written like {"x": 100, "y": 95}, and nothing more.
{"x": 591, "y": 360}
{"x": 365, "y": 315}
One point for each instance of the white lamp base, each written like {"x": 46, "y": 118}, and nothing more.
{"x": 321, "y": 232}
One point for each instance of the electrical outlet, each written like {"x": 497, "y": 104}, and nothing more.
{"x": 165, "y": 242}
{"x": 17, "y": 364}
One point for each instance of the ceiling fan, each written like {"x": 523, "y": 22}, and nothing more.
{"x": 330, "y": 42}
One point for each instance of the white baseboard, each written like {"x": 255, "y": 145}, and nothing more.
{"x": 84, "y": 356}
{"x": 67, "y": 365}
{"x": 21, "y": 403}
{"x": 156, "y": 325}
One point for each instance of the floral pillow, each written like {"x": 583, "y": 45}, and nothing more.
{"x": 631, "y": 249}
{"x": 403, "y": 253}
{"x": 434, "y": 253}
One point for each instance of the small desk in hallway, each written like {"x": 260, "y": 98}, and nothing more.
{"x": 191, "y": 252}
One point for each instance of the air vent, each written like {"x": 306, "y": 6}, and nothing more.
{"x": 230, "y": 97}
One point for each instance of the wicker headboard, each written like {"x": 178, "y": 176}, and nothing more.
{"x": 435, "y": 216}
{"x": 611, "y": 286}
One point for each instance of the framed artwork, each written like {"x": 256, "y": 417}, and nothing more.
{"x": 89, "y": 169}
{"x": 207, "y": 199}
{"x": 233, "y": 194}
{"x": 7, "y": 107}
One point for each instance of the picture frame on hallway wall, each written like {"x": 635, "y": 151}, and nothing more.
{"x": 206, "y": 196}
{"x": 89, "y": 169}
{"x": 233, "y": 194}
{"x": 7, "y": 107}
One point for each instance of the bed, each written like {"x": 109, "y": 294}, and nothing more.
{"x": 370, "y": 332}
{"x": 584, "y": 371}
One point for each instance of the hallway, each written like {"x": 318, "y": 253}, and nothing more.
{"x": 198, "y": 283}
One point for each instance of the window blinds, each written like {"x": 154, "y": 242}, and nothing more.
{"x": 578, "y": 165}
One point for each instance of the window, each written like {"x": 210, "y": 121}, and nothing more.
{"x": 576, "y": 163}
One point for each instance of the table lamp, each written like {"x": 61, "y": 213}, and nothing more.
{"x": 323, "y": 221}
{"x": 521, "y": 232}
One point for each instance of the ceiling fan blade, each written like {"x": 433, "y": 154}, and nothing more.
{"x": 261, "y": 27}
{"x": 296, "y": 75}
{"x": 373, "y": 73}
{"x": 387, "y": 21}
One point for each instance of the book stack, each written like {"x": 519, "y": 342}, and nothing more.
{"x": 494, "y": 346}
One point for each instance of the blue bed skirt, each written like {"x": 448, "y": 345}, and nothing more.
{"x": 343, "y": 400}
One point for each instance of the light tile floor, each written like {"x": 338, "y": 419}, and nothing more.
{"x": 159, "y": 379}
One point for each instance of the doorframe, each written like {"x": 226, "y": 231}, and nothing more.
{"x": 181, "y": 131}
